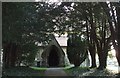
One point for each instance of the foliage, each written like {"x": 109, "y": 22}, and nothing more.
{"x": 20, "y": 26}
{"x": 24, "y": 24}
{"x": 76, "y": 49}
{"x": 29, "y": 52}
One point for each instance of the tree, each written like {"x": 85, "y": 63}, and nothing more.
{"x": 110, "y": 9}
{"x": 96, "y": 28}
{"x": 28, "y": 54}
{"x": 99, "y": 33}
{"x": 10, "y": 36}
{"x": 20, "y": 27}
{"x": 76, "y": 49}
{"x": 118, "y": 32}
{"x": 33, "y": 22}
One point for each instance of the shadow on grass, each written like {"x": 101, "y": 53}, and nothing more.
{"x": 23, "y": 71}
{"x": 97, "y": 72}
{"x": 75, "y": 71}
{"x": 85, "y": 72}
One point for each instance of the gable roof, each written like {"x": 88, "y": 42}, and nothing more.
{"x": 62, "y": 40}
{"x": 48, "y": 47}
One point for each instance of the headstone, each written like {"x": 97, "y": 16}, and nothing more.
{"x": 38, "y": 64}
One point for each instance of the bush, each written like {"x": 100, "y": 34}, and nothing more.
{"x": 76, "y": 49}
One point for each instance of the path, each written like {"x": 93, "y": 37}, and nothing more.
{"x": 55, "y": 72}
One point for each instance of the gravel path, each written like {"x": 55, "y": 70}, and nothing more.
{"x": 55, "y": 72}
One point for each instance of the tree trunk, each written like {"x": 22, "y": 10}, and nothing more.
{"x": 93, "y": 56}
{"x": 103, "y": 53}
{"x": 13, "y": 54}
{"x": 118, "y": 39}
{"x": 9, "y": 55}
{"x": 93, "y": 40}
{"x": 91, "y": 46}
{"x": 103, "y": 47}
{"x": 115, "y": 33}
{"x": 118, "y": 31}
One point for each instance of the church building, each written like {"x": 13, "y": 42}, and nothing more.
{"x": 54, "y": 54}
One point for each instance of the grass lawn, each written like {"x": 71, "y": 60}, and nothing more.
{"x": 39, "y": 68}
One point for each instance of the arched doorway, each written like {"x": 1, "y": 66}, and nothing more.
{"x": 53, "y": 59}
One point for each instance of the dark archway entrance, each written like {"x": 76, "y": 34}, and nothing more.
{"x": 53, "y": 59}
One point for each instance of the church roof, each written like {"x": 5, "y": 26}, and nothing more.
{"x": 55, "y": 43}
{"x": 62, "y": 40}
